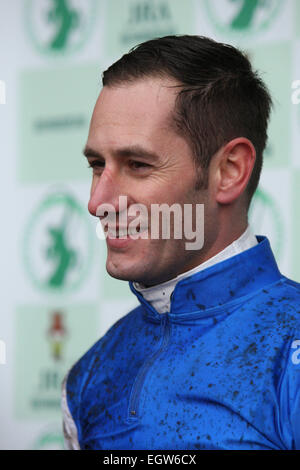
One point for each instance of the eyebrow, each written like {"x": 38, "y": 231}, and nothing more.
{"x": 131, "y": 151}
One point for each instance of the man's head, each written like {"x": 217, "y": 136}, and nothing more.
{"x": 179, "y": 120}
{"x": 219, "y": 98}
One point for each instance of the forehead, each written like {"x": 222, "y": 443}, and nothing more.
{"x": 143, "y": 107}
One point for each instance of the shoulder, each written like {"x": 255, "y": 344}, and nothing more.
{"x": 292, "y": 286}
{"x": 287, "y": 286}
{"x": 286, "y": 298}
{"x": 283, "y": 300}
{"x": 281, "y": 303}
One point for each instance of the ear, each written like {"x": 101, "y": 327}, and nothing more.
{"x": 232, "y": 169}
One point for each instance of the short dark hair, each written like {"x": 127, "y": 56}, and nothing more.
{"x": 221, "y": 97}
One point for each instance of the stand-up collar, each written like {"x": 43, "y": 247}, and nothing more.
{"x": 159, "y": 295}
{"x": 224, "y": 282}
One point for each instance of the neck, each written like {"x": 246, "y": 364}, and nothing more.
{"x": 159, "y": 295}
{"x": 209, "y": 250}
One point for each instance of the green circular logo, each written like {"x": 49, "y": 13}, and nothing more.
{"x": 58, "y": 244}
{"x": 60, "y": 26}
{"x": 265, "y": 218}
{"x": 240, "y": 17}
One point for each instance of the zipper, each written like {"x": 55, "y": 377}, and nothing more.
{"x": 140, "y": 378}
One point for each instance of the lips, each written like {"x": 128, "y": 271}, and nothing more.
{"x": 123, "y": 232}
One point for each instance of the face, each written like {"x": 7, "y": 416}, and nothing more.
{"x": 134, "y": 152}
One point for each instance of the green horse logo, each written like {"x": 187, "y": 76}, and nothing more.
{"x": 63, "y": 256}
{"x": 242, "y": 16}
{"x": 59, "y": 251}
{"x": 66, "y": 19}
{"x": 60, "y": 26}
{"x": 58, "y": 243}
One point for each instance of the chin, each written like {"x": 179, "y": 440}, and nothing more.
{"x": 121, "y": 273}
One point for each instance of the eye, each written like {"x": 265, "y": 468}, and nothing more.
{"x": 96, "y": 165}
{"x": 137, "y": 165}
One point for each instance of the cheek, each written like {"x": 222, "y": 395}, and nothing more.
{"x": 164, "y": 191}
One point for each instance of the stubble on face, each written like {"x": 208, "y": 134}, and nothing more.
{"x": 139, "y": 114}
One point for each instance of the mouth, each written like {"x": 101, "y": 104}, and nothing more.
{"x": 124, "y": 232}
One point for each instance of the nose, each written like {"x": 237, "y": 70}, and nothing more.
{"x": 105, "y": 190}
